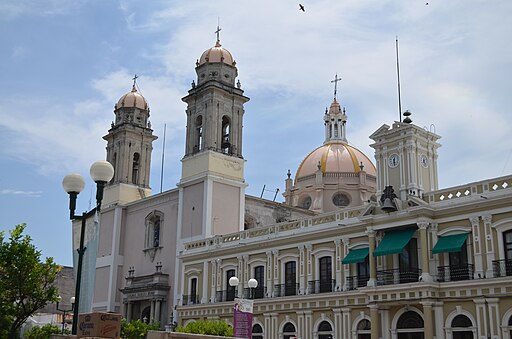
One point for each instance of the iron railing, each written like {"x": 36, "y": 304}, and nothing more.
{"x": 455, "y": 273}
{"x": 357, "y": 281}
{"x": 190, "y": 299}
{"x": 321, "y": 286}
{"x": 255, "y": 293}
{"x": 396, "y": 276}
{"x": 283, "y": 290}
{"x": 502, "y": 268}
{"x": 225, "y": 295}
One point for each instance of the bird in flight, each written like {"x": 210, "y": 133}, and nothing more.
{"x": 301, "y": 8}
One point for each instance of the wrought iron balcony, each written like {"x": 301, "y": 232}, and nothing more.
{"x": 283, "y": 290}
{"x": 225, "y": 295}
{"x": 502, "y": 268}
{"x": 321, "y": 286}
{"x": 455, "y": 273}
{"x": 190, "y": 299}
{"x": 396, "y": 276}
{"x": 357, "y": 281}
{"x": 255, "y": 293}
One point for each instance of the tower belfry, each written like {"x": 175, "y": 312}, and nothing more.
{"x": 212, "y": 178}
{"x": 129, "y": 146}
{"x": 335, "y": 119}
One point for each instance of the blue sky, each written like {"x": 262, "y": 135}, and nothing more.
{"x": 65, "y": 63}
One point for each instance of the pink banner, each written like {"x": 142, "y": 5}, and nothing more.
{"x": 242, "y": 318}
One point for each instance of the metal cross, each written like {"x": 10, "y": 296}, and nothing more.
{"x": 217, "y": 32}
{"x": 135, "y": 79}
{"x": 336, "y": 79}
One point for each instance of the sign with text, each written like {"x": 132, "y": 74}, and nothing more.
{"x": 242, "y": 319}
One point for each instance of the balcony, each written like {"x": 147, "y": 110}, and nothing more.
{"x": 395, "y": 276}
{"x": 255, "y": 293}
{"x": 502, "y": 268}
{"x": 455, "y": 273}
{"x": 357, "y": 281}
{"x": 283, "y": 290}
{"x": 190, "y": 299}
{"x": 321, "y": 286}
{"x": 225, "y": 295}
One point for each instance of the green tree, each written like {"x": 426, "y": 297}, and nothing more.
{"x": 44, "y": 332}
{"x": 26, "y": 282}
{"x": 136, "y": 329}
{"x": 211, "y": 327}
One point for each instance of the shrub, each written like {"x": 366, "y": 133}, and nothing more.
{"x": 211, "y": 327}
{"x": 136, "y": 329}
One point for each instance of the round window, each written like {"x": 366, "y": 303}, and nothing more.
{"x": 306, "y": 203}
{"x": 340, "y": 200}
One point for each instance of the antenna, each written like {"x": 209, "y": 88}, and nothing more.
{"x": 163, "y": 159}
{"x": 398, "y": 81}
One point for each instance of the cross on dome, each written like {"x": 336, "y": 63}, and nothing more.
{"x": 218, "y": 30}
{"x": 134, "y": 82}
{"x": 336, "y": 79}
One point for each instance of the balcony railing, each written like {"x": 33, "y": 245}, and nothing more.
{"x": 395, "y": 276}
{"x": 255, "y": 293}
{"x": 502, "y": 268}
{"x": 283, "y": 290}
{"x": 321, "y": 286}
{"x": 357, "y": 281}
{"x": 455, "y": 273}
{"x": 225, "y": 295}
{"x": 190, "y": 299}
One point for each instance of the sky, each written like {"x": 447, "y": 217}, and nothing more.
{"x": 65, "y": 63}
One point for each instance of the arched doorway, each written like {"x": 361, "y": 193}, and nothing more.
{"x": 410, "y": 326}
{"x": 289, "y": 331}
{"x": 364, "y": 329}
{"x": 325, "y": 330}
{"x": 257, "y": 332}
{"x": 461, "y": 327}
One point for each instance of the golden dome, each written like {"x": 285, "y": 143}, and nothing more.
{"x": 217, "y": 54}
{"x": 132, "y": 99}
{"x": 335, "y": 157}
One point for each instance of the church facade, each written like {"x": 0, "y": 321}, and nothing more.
{"x": 357, "y": 250}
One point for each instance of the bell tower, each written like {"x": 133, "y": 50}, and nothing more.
{"x": 129, "y": 146}
{"x": 212, "y": 185}
{"x": 406, "y": 158}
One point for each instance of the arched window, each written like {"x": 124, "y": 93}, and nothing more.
{"x": 226, "y": 139}
{"x": 199, "y": 134}
{"x": 326, "y": 281}
{"x": 364, "y": 329}
{"x": 289, "y": 331}
{"x": 410, "y": 325}
{"x": 114, "y": 165}
{"x": 290, "y": 278}
{"x": 259, "y": 275}
{"x": 135, "y": 168}
{"x": 305, "y": 202}
{"x": 154, "y": 222}
{"x": 257, "y": 332}
{"x": 193, "y": 291}
{"x": 230, "y": 290}
{"x": 461, "y": 327}
{"x": 325, "y": 330}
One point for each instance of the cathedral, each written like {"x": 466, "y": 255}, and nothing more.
{"x": 358, "y": 249}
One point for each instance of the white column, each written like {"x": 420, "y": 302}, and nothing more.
{"x": 240, "y": 275}
{"x": 204, "y": 293}
{"x": 481, "y": 318}
{"x": 275, "y": 266}
{"x": 218, "y": 282}
{"x": 372, "y": 282}
{"x": 337, "y": 323}
{"x": 347, "y": 323}
{"x": 489, "y": 245}
{"x": 385, "y": 323}
{"x": 346, "y": 268}
{"x": 309, "y": 265}
{"x": 477, "y": 247}
{"x": 308, "y": 325}
{"x": 302, "y": 269}
{"x": 425, "y": 270}
{"x": 493, "y": 312}
{"x": 157, "y": 316}
{"x": 301, "y": 327}
{"x": 439, "y": 319}
{"x": 268, "y": 275}
{"x": 337, "y": 265}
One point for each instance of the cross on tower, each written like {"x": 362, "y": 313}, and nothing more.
{"x": 135, "y": 80}
{"x": 217, "y": 32}
{"x": 336, "y": 79}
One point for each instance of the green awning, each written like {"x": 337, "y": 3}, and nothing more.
{"x": 394, "y": 242}
{"x": 450, "y": 243}
{"x": 355, "y": 256}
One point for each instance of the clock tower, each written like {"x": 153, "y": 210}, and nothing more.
{"x": 406, "y": 158}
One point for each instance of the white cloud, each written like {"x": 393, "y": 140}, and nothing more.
{"x": 31, "y": 194}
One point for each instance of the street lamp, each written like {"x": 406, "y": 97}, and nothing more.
{"x": 64, "y": 311}
{"x": 253, "y": 283}
{"x": 101, "y": 172}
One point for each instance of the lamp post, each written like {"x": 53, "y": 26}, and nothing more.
{"x": 64, "y": 311}
{"x": 242, "y": 313}
{"x": 252, "y": 283}
{"x": 101, "y": 172}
